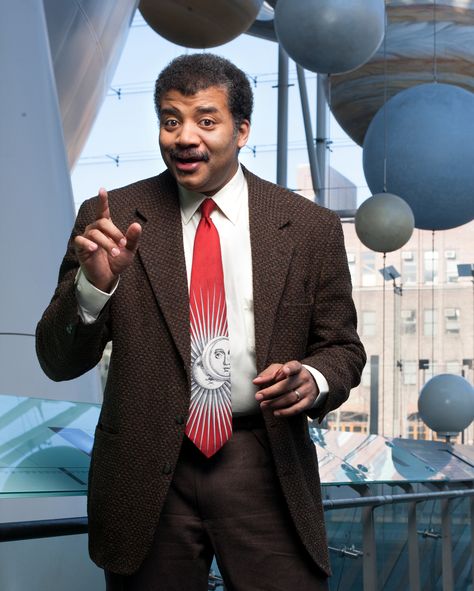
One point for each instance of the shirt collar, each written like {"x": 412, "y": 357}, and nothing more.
{"x": 228, "y": 199}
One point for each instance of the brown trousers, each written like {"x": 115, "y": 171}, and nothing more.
{"x": 229, "y": 505}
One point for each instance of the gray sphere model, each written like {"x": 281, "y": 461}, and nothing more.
{"x": 330, "y": 36}
{"x": 200, "y": 23}
{"x": 427, "y": 136}
{"x": 384, "y": 222}
{"x": 446, "y": 404}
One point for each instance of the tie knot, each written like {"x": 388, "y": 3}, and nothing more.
{"x": 207, "y": 207}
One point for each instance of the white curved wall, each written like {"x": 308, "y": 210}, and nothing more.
{"x": 36, "y": 206}
{"x": 86, "y": 39}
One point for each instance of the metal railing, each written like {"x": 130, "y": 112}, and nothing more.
{"x": 78, "y": 525}
{"x": 369, "y": 505}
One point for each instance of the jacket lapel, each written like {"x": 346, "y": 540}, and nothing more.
{"x": 162, "y": 254}
{"x": 272, "y": 251}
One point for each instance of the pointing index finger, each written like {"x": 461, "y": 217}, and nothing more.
{"x": 103, "y": 210}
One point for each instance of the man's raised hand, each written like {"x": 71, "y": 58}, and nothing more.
{"x": 103, "y": 251}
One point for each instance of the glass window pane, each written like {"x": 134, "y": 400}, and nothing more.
{"x": 452, "y": 323}
{"x": 430, "y": 271}
{"x": 368, "y": 269}
{"x": 408, "y": 321}
{"x": 408, "y": 268}
{"x": 409, "y": 371}
{"x": 368, "y": 323}
{"x": 429, "y": 322}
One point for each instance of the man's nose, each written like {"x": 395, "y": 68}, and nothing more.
{"x": 188, "y": 135}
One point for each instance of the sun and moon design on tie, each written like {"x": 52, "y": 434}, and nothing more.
{"x": 209, "y": 424}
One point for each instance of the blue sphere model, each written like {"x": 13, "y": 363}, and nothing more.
{"x": 330, "y": 36}
{"x": 427, "y": 136}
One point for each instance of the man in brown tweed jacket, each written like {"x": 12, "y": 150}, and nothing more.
{"x": 159, "y": 510}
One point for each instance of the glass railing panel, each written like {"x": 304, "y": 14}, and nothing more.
{"x": 430, "y": 545}
{"x": 45, "y": 446}
{"x": 391, "y": 536}
{"x": 461, "y": 543}
{"x": 344, "y": 530}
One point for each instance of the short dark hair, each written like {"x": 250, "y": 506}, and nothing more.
{"x": 188, "y": 74}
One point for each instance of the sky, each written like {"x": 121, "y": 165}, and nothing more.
{"x": 123, "y": 144}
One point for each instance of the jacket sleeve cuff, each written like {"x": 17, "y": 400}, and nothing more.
{"x": 322, "y": 385}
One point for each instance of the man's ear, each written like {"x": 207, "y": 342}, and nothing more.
{"x": 243, "y": 132}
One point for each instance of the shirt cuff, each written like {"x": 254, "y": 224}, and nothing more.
{"x": 322, "y": 385}
{"x": 90, "y": 300}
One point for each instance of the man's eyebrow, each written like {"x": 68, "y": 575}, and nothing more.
{"x": 205, "y": 110}
{"x": 169, "y": 111}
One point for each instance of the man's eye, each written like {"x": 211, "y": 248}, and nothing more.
{"x": 171, "y": 123}
{"x": 207, "y": 122}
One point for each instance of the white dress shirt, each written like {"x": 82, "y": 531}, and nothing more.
{"x": 231, "y": 218}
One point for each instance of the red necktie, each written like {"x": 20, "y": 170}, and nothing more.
{"x": 209, "y": 424}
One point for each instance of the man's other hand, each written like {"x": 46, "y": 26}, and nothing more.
{"x": 288, "y": 388}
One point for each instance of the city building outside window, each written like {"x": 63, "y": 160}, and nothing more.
{"x": 430, "y": 322}
{"x": 368, "y": 323}
{"x": 451, "y": 266}
{"x": 408, "y": 318}
{"x": 369, "y": 277}
{"x": 351, "y": 259}
{"x": 454, "y": 367}
{"x": 409, "y": 372}
{"x": 452, "y": 324}
{"x": 430, "y": 271}
{"x": 408, "y": 268}
{"x": 365, "y": 379}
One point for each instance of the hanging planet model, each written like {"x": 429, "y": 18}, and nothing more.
{"x": 384, "y": 222}
{"x": 329, "y": 36}
{"x": 426, "y": 134}
{"x": 200, "y": 23}
{"x": 409, "y": 55}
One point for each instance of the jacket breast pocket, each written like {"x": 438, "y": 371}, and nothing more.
{"x": 298, "y": 303}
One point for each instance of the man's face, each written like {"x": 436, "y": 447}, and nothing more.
{"x": 198, "y": 139}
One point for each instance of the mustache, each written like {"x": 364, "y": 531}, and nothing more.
{"x": 192, "y": 155}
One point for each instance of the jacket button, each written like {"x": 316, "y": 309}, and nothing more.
{"x": 167, "y": 469}
{"x": 69, "y": 328}
{"x": 179, "y": 420}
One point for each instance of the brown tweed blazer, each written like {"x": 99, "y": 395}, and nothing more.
{"x": 303, "y": 310}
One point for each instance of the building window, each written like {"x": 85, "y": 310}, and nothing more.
{"x": 368, "y": 323}
{"x": 408, "y": 268}
{"x": 451, "y": 266}
{"x": 409, "y": 372}
{"x": 454, "y": 367}
{"x": 369, "y": 277}
{"x": 365, "y": 378}
{"x": 429, "y": 322}
{"x": 430, "y": 267}
{"x": 408, "y": 321}
{"x": 351, "y": 259}
{"x": 452, "y": 324}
